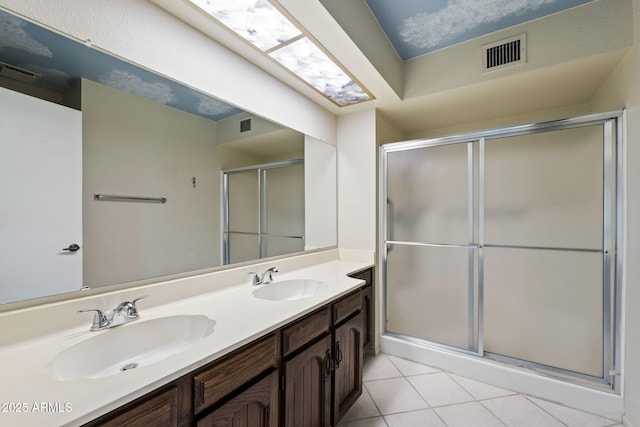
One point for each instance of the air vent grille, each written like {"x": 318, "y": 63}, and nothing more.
{"x": 505, "y": 52}
{"x": 16, "y": 73}
{"x": 245, "y": 125}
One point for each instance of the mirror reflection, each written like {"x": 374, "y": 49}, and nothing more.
{"x": 78, "y": 123}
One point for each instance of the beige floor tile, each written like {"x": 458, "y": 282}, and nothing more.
{"x": 467, "y": 415}
{"x": 367, "y": 422}
{"x": 518, "y": 411}
{"x": 423, "y": 418}
{"x": 409, "y": 368}
{"x": 439, "y": 389}
{"x": 395, "y": 395}
{"x": 378, "y": 368}
{"x": 481, "y": 390}
{"x": 363, "y": 408}
{"x": 571, "y": 417}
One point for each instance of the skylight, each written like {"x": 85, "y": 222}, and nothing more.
{"x": 264, "y": 26}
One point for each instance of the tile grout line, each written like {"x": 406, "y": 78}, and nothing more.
{"x": 481, "y": 401}
{"x": 544, "y": 410}
{"x": 364, "y": 384}
{"x": 424, "y": 399}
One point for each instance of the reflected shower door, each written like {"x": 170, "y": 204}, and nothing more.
{"x": 263, "y": 211}
{"x": 431, "y": 258}
{"x": 242, "y": 216}
{"x": 283, "y": 219}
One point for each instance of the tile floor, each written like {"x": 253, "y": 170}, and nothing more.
{"x": 400, "y": 393}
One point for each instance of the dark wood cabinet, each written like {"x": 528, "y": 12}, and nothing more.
{"x": 168, "y": 406}
{"x": 257, "y": 406}
{"x": 324, "y": 380}
{"x": 307, "y": 373}
{"x": 368, "y": 308}
{"x": 307, "y": 391}
{"x": 348, "y": 357}
{"x": 223, "y": 377}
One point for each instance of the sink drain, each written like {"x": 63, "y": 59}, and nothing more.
{"x": 129, "y": 366}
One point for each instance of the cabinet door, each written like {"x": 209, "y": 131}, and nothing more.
{"x": 368, "y": 320}
{"x": 307, "y": 395}
{"x": 348, "y": 349}
{"x": 255, "y": 407}
{"x": 157, "y": 410}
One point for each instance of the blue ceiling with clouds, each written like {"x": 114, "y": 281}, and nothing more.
{"x": 416, "y": 27}
{"x": 61, "y": 61}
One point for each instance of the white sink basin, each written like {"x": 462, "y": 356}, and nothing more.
{"x": 289, "y": 290}
{"x": 128, "y": 346}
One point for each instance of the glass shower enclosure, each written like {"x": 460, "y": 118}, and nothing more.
{"x": 504, "y": 244}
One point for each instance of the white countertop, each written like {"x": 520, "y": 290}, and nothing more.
{"x": 240, "y": 318}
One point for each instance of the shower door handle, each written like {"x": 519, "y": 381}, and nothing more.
{"x": 390, "y": 232}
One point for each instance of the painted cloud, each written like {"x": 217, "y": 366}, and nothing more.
{"x": 130, "y": 83}
{"x": 428, "y": 30}
{"x": 211, "y": 107}
{"x": 19, "y": 38}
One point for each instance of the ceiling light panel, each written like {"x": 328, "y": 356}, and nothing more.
{"x": 268, "y": 29}
{"x": 304, "y": 58}
{"x": 256, "y": 21}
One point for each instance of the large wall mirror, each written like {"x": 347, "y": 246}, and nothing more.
{"x": 84, "y": 132}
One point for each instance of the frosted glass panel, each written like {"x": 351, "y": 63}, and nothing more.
{"x": 545, "y": 189}
{"x": 428, "y": 191}
{"x": 428, "y": 294}
{"x": 545, "y": 307}
{"x": 243, "y": 201}
{"x": 243, "y": 247}
{"x": 284, "y": 195}
{"x": 274, "y": 245}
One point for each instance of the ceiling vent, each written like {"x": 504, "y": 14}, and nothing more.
{"x": 245, "y": 125}
{"x": 505, "y": 52}
{"x": 17, "y": 73}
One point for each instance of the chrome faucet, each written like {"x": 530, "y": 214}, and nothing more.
{"x": 125, "y": 312}
{"x": 264, "y": 278}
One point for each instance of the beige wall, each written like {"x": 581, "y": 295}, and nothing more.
{"x": 622, "y": 89}
{"x": 357, "y": 152}
{"x": 136, "y": 147}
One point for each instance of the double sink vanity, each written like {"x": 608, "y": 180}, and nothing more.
{"x": 287, "y": 352}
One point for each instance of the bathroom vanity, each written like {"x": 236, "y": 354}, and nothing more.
{"x": 270, "y": 363}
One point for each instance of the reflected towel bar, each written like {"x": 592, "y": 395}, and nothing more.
{"x": 112, "y": 198}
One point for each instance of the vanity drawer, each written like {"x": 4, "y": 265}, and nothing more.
{"x": 346, "y": 306}
{"x": 225, "y": 376}
{"x": 305, "y": 330}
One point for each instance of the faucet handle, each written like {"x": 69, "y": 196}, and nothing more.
{"x": 255, "y": 278}
{"x": 100, "y": 320}
{"x": 131, "y": 309}
{"x": 138, "y": 299}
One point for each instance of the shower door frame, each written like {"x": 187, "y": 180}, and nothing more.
{"x": 262, "y": 203}
{"x": 613, "y": 209}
